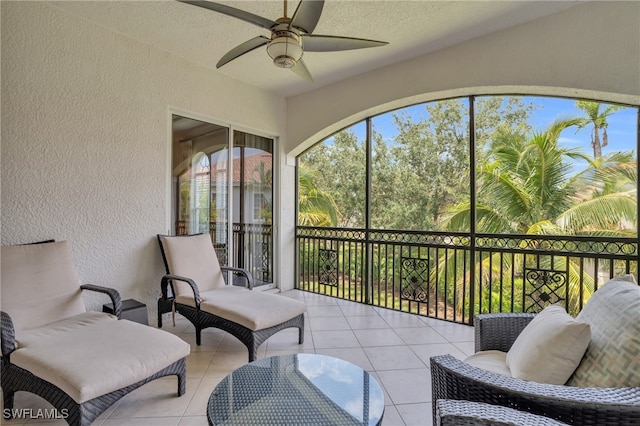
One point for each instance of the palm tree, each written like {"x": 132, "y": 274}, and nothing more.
{"x": 598, "y": 119}
{"x": 315, "y": 207}
{"x": 525, "y": 186}
{"x": 522, "y": 183}
{"x": 606, "y": 206}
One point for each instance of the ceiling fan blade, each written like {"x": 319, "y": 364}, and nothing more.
{"x": 243, "y": 48}
{"x": 236, "y": 13}
{"x": 307, "y": 14}
{"x": 322, "y": 43}
{"x": 301, "y": 69}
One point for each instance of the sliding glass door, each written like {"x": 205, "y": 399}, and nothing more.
{"x": 223, "y": 186}
{"x": 253, "y": 204}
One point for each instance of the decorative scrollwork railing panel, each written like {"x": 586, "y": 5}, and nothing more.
{"x": 415, "y": 279}
{"x": 543, "y": 288}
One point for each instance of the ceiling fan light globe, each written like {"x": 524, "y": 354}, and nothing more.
{"x": 284, "y": 62}
{"x": 285, "y": 50}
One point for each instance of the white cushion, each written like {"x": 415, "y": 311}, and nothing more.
{"x": 33, "y": 336}
{"x": 612, "y": 359}
{"x": 100, "y": 357}
{"x": 549, "y": 348}
{"x": 193, "y": 257}
{"x": 39, "y": 284}
{"x": 494, "y": 361}
{"x": 253, "y": 309}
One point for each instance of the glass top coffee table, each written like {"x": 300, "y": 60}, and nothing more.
{"x": 300, "y": 389}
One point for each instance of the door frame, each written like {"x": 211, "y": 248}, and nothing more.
{"x": 232, "y": 127}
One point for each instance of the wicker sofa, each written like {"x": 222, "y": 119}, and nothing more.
{"x": 199, "y": 292}
{"x": 79, "y": 361}
{"x": 603, "y": 389}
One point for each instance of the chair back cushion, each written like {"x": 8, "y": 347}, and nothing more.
{"x": 549, "y": 348}
{"x": 39, "y": 284}
{"x": 192, "y": 256}
{"x": 612, "y": 359}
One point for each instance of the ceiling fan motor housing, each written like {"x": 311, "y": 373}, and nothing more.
{"x": 285, "y": 47}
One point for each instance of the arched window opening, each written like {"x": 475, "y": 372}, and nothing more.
{"x": 473, "y": 204}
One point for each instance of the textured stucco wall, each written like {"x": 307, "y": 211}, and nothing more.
{"x": 85, "y": 140}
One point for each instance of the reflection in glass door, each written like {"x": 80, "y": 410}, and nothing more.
{"x": 253, "y": 205}
{"x": 199, "y": 181}
{"x": 204, "y": 199}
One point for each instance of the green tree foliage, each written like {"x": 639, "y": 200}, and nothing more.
{"x": 315, "y": 207}
{"x": 339, "y": 169}
{"x": 425, "y": 168}
{"x": 418, "y": 174}
{"x": 431, "y": 167}
{"x": 605, "y": 204}
{"x": 525, "y": 186}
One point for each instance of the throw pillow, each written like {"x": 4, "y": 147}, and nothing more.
{"x": 549, "y": 348}
{"x": 612, "y": 359}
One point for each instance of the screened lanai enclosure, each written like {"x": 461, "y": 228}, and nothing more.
{"x": 472, "y": 205}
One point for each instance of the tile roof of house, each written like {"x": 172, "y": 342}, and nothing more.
{"x": 252, "y": 165}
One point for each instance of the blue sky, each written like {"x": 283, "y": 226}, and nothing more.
{"x": 622, "y": 129}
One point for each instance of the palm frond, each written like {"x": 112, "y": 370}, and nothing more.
{"x": 604, "y": 213}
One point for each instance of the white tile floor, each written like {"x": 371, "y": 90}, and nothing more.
{"x": 394, "y": 347}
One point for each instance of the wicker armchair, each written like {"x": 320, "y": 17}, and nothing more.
{"x": 81, "y": 362}
{"x": 466, "y": 413}
{"x": 454, "y": 379}
{"x": 200, "y": 293}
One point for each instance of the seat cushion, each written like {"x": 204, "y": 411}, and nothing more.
{"x": 100, "y": 357}
{"x": 494, "y": 361}
{"x": 613, "y": 357}
{"x": 39, "y": 284}
{"x": 549, "y": 348}
{"x": 253, "y": 309}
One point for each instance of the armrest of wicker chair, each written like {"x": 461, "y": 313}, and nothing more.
{"x": 167, "y": 281}
{"x": 454, "y": 379}
{"x": 240, "y": 272}
{"x": 111, "y": 292}
{"x": 499, "y": 331}
{"x": 7, "y": 335}
{"x": 455, "y": 413}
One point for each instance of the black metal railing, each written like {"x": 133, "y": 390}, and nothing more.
{"x": 254, "y": 250}
{"x": 454, "y": 276}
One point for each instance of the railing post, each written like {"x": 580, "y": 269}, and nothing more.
{"x": 298, "y": 246}
{"x": 368, "y": 264}
{"x": 472, "y": 211}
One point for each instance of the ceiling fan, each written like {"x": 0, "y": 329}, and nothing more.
{"x": 290, "y": 37}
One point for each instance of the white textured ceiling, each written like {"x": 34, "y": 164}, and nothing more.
{"x": 412, "y": 28}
